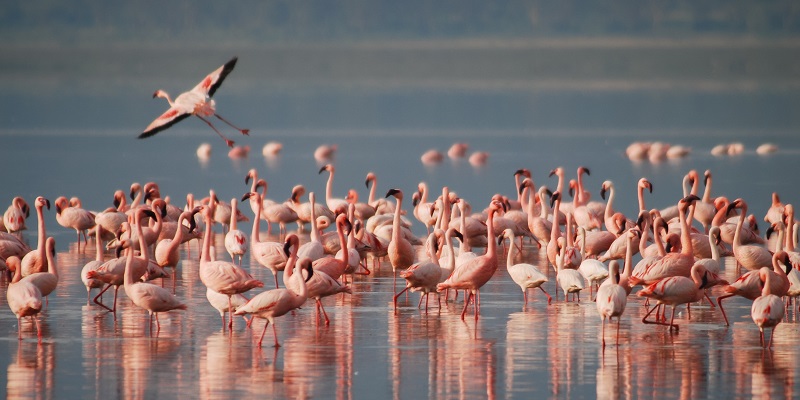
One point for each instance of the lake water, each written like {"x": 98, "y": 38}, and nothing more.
{"x": 74, "y": 148}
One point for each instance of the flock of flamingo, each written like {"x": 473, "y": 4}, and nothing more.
{"x": 588, "y": 244}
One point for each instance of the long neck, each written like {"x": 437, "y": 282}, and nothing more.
{"x": 707, "y": 192}
{"x": 205, "y": 252}
{"x": 42, "y": 233}
{"x": 641, "y": 198}
{"x": 582, "y": 232}
{"x": 142, "y": 243}
{"x": 657, "y": 239}
{"x": 645, "y": 236}
{"x": 491, "y": 246}
{"x": 314, "y": 229}
{"x": 451, "y": 263}
{"x": 254, "y": 237}
{"x": 51, "y": 263}
{"x": 233, "y": 215}
{"x": 372, "y": 190}
{"x": 98, "y": 244}
{"x": 555, "y": 232}
{"x": 396, "y": 220}
{"x": 465, "y": 242}
{"x": 343, "y": 242}
{"x": 581, "y": 195}
{"x": 329, "y": 189}
{"x": 510, "y": 258}
{"x": 610, "y": 204}
{"x": 128, "y": 276}
{"x": 686, "y": 237}
{"x": 545, "y": 209}
{"x": 737, "y": 236}
{"x": 626, "y": 270}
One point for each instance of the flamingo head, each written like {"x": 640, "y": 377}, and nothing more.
{"x": 645, "y": 184}
{"x": 397, "y": 193}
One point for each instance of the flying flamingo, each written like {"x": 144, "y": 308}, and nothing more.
{"x": 527, "y": 276}
{"x": 473, "y": 274}
{"x": 277, "y": 302}
{"x": 767, "y": 310}
{"x": 195, "y": 102}
{"x": 611, "y": 300}
{"x": 268, "y": 254}
{"x": 235, "y": 240}
{"x": 24, "y": 298}
{"x": 221, "y": 276}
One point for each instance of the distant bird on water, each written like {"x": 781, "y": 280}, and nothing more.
{"x": 195, "y": 102}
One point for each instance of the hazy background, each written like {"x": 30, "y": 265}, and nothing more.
{"x": 653, "y": 68}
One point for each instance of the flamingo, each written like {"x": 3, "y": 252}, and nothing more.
{"x": 527, "y": 276}
{"x": 752, "y": 257}
{"x": 15, "y": 215}
{"x": 277, "y": 302}
{"x": 166, "y": 251}
{"x": 332, "y": 266}
{"x": 423, "y": 276}
{"x": 24, "y": 298}
{"x": 195, "y": 102}
{"x": 767, "y": 310}
{"x": 312, "y": 249}
{"x": 148, "y": 296}
{"x": 36, "y": 261}
{"x": 382, "y": 206}
{"x": 220, "y": 302}
{"x": 473, "y": 274}
{"x": 611, "y": 300}
{"x": 235, "y": 240}
{"x": 570, "y": 280}
{"x": 673, "y": 291}
{"x": 74, "y": 217}
{"x": 93, "y": 265}
{"x": 224, "y": 277}
{"x": 335, "y": 204}
{"x": 46, "y": 281}
{"x": 401, "y": 254}
{"x": 268, "y": 254}
{"x": 775, "y": 211}
{"x": 594, "y": 271}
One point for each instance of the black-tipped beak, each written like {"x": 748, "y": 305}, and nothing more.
{"x": 247, "y": 195}
{"x": 392, "y": 192}
{"x": 603, "y": 192}
{"x": 322, "y": 169}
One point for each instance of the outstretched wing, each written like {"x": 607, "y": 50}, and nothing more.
{"x": 212, "y": 82}
{"x": 169, "y": 118}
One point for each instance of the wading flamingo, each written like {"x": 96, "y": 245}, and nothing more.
{"x": 195, "y": 102}
{"x": 611, "y": 300}
{"x": 24, "y": 299}
{"x": 767, "y": 310}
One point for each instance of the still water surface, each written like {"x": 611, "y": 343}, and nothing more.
{"x": 369, "y": 351}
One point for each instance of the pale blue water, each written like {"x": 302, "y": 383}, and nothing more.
{"x": 82, "y": 143}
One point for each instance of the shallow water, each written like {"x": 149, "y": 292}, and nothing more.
{"x": 512, "y": 351}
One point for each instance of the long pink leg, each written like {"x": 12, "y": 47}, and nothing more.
{"x": 618, "y": 322}
{"x": 263, "y": 332}
{"x": 227, "y": 141}
{"x": 19, "y": 328}
{"x": 549, "y": 299}
{"x": 97, "y": 301}
{"x": 244, "y": 131}
{"x": 398, "y": 295}
{"x": 230, "y": 313}
{"x": 327, "y": 320}
{"x": 719, "y": 303}
{"x": 603, "y": 332}
{"x": 466, "y": 305}
{"x": 672, "y": 319}
{"x": 39, "y": 330}
{"x": 275, "y": 333}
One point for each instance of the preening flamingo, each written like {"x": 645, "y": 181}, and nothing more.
{"x": 24, "y": 299}
{"x": 195, "y": 102}
{"x": 767, "y": 310}
{"x": 611, "y": 300}
{"x": 235, "y": 240}
{"x": 15, "y": 215}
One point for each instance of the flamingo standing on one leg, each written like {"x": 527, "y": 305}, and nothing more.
{"x": 24, "y": 299}
{"x": 195, "y": 102}
{"x": 768, "y": 309}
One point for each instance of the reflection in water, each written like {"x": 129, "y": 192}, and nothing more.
{"x": 370, "y": 351}
{"x": 31, "y": 374}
